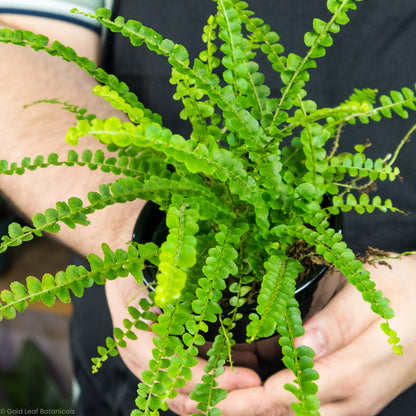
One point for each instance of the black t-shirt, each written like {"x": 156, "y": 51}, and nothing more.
{"x": 375, "y": 50}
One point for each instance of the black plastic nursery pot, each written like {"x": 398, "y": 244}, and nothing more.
{"x": 263, "y": 356}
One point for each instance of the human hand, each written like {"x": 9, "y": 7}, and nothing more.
{"x": 138, "y": 353}
{"x": 359, "y": 373}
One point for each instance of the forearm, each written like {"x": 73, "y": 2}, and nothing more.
{"x": 40, "y": 130}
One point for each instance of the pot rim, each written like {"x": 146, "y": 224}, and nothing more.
{"x": 147, "y": 229}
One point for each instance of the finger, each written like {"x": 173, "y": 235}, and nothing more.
{"x": 364, "y": 376}
{"x": 268, "y": 399}
{"x": 232, "y": 378}
{"x": 236, "y": 378}
{"x": 245, "y": 402}
{"x": 342, "y": 320}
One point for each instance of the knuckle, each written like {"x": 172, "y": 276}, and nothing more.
{"x": 359, "y": 408}
{"x": 271, "y": 409}
{"x": 342, "y": 328}
{"x": 347, "y": 388}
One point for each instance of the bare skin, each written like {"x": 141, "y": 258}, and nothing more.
{"x": 41, "y": 129}
{"x": 344, "y": 331}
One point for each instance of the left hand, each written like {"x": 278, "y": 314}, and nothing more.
{"x": 137, "y": 354}
{"x": 359, "y": 373}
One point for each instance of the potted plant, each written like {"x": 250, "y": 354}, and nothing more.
{"x": 259, "y": 178}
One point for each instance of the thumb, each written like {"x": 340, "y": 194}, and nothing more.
{"x": 344, "y": 318}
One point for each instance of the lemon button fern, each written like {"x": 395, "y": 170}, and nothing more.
{"x": 252, "y": 180}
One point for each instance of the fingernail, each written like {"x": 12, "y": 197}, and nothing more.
{"x": 314, "y": 338}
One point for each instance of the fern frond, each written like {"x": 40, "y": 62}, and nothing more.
{"x": 123, "y": 164}
{"x": 278, "y": 285}
{"x": 198, "y": 107}
{"x": 139, "y": 316}
{"x": 167, "y": 371}
{"x": 219, "y": 265}
{"x": 263, "y": 37}
{"x": 73, "y": 212}
{"x": 80, "y": 112}
{"x": 195, "y": 109}
{"x": 296, "y": 69}
{"x": 45, "y": 290}
{"x": 110, "y": 350}
{"x": 313, "y": 139}
{"x": 329, "y": 244}
{"x": 360, "y": 165}
{"x": 17, "y": 234}
{"x": 212, "y": 161}
{"x": 235, "y": 48}
{"x": 135, "y": 110}
{"x": 242, "y": 75}
{"x": 300, "y": 361}
{"x": 177, "y": 253}
{"x": 40, "y": 42}
{"x": 209, "y": 36}
{"x": 362, "y": 205}
{"x": 309, "y": 113}
{"x": 74, "y": 279}
{"x": 207, "y": 393}
{"x": 397, "y": 102}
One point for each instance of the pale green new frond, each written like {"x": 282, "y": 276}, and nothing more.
{"x": 177, "y": 253}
